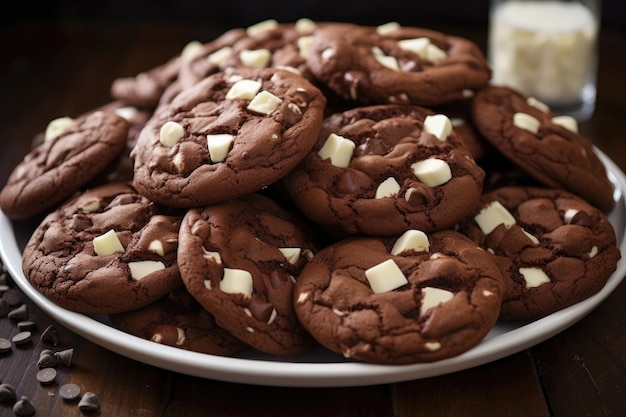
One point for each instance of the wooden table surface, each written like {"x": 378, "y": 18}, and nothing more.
{"x": 51, "y": 70}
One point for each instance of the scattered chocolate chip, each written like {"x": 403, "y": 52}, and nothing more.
{"x": 19, "y": 314}
{"x": 46, "y": 375}
{"x": 23, "y": 407}
{"x": 88, "y": 402}
{"x": 7, "y": 393}
{"x": 4, "y": 287}
{"x": 47, "y": 360}
{"x": 26, "y": 325}
{"x": 13, "y": 296}
{"x": 69, "y": 392}
{"x": 5, "y": 345}
{"x": 22, "y": 338}
{"x": 65, "y": 356}
{"x": 4, "y": 307}
{"x": 4, "y": 278}
{"x": 50, "y": 335}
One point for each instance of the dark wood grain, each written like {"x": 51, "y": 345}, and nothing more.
{"x": 50, "y": 70}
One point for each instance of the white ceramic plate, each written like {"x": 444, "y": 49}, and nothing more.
{"x": 320, "y": 368}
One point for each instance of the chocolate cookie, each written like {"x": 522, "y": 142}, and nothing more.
{"x": 545, "y": 145}
{"x": 380, "y": 170}
{"x": 233, "y": 133}
{"x": 73, "y": 152}
{"x": 240, "y": 260}
{"x": 554, "y": 249}
{"x": 105, "y": 251}
{"x": 178, "y": 320}
{"x": 417, "y": 298}
{"x": 395, "y": 64}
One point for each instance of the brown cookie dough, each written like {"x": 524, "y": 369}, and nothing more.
{"x": 105, "y": 251}
{"x": 240, "y": 260}
{"x": 178, "y": 320}
{"x": 233, "y": 133}
{"x": 395, "y": 64}
{"x": 72, "y": 153}
{"x": 380, "y": 170}
{"x": 554, "y": 249}
{"x": 418, "y": 298}
{"x": 545, "y": 145}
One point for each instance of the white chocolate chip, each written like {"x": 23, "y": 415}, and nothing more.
{"x": 532, "y": 238}
{"x": 415, "y": 45}
{"x": 487, "y": 293}
{"x": 156, "y": 246}
{"x": 140, "y": 269}
{"x": 568, "y": 122}
{"x": 432, "y": 346}
{"x": 338, "y": 149}
{"x": 467, "y": 93}
{"x": 327, "y": 54}
{"x": 291, "y": 254}
{"x": 91, "y": 206}
{"x": 493, "y": 215}
{"x": 388, "y": 188}
{"x": 127, "y": 112}
{"x": 56, "y": 127}
{"x": 432, "y": 297}
{"x": 264, "y": 103}
{"x": 385, "y": 60}
{"x": 262, "y": 26}
{"x": 273, "y": 315}
{"x": 569, "y": 215}
{"x": 220, "y": 56}
{"x": 387, "y": 28}
{"x": 526, "y": 121}
{"x": 257, "y": 58}
{"x": 435, "y": 53}
{"x": 107, "y": 244}
{"x": 593, "y": 252}
{"x": 412, "y": 239}
{"x": 191, "y": 50}
{"x": 244, "y": 89}
{"x": 236, "y": 281}
{"x": 457, "y": 121}
{"x": 305, "y": 25}
{"x": 534, "y": 277}
{"x": 304, "y": 45}
{"x": 303, "y": 297}
{"x": 219, "y": 145}
{"x": 432, "y": 171}
{"x": 180, "y": 339}
{"x": 170, "y": 133}
{"x": 538, "y": 104}
{"x": 214, "y": 256}
{"x": 386, "y": 276}
{"x": 438, "y": 125}
{"x": 207, "y": 284}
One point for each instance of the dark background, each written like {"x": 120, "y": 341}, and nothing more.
{"x": 234, "y": 13}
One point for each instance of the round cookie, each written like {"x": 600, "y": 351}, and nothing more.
{"x": 178, "y": 320}
{"x": 545, "y": 145}
{"x": 240, "y": 259}
{"x": 418, "y": 298}
{"x": 73, "y": 152}
{"x": 106, "y": 251}
{"x": 380, "y": 170}
{"x": 554, "y": 249}
{"x": 231, "y": 134}
{"x": 396, "y": 64}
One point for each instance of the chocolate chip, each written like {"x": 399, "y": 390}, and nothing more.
{"x": 165, "y": 334}
{"x": 7, "y": 393}
{"x": 4, "y": 307}
{"x": 47, "y": 360}
{"x": 582, "y": 219}
{"x": 88, "y": 402}
{"x": 22, "y": 338}
{"x": 19, "y": 314}
{"x": 50, "y": 335}
{"x": 5, "y": 345}
{"x": 26, "y": 325}
{"x": 46, "y": 375}
{"x": 23, "y": 408}
{"x": 65, "y": 356}
{"x": 69, "y": 392}
{"x": 13, "y": 296}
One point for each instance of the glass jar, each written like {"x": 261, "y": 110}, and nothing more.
{"x": 547, "y": 49}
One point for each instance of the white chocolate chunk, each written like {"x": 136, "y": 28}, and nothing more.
{"x": 244, "y": 89}
{"x": 432, "y": 346}
{"x": 386, "y": 276}
{"x": 207, "y": 284}
{"x": 257, "y": 58}
{"x": 220, "y": 56}
{"x": 140, "y": 269}
{"x": 435, "y": 53}
{"x": 593, "y": 252}
{"x": 262, "y": 26}
{"x": 192, "y": 49}
{"x": 236, "y": 281}
{"x": 273, "y": 315}
{"x": 432, "y": 297}
{"x": 538, "y": 104}
{"x": 170, "y": 133}
{"x": 327, "y": 53}
{"x": 264, "y": 103}
{"x": 291, "y": 254}
{"x": 526, "y": 121}
{"x": 219, "y": 145}
{"x": 126, "y": 112}
{"x": 569, "y": 215}
{"x": 303, "y": 297}
{"x": 338, "y": 149}
{"x": 305, "y": 25}
{"x": 534, "y": 277}
{"x": 387, "y": 28}
{"x": 304, "y": 45}
{"x": 412, "y": 239}
{"x": 492, "y": 215}
{"x": 156, "y": 246}
{"x": 388, "y": 188}
{"x": 91, "y": 206}
{"x": 568, "y": 122}
{"x": 432, "y": 171}
{"x": 107, "y": 244}
{"x": 180, "y": 339}
{"x": 215, "y": 256}
{"x": 532, "y": 238}
{"x": 438, "y": 125}
{"x": 57, "y": 126}
{"x": 385, "y": 60}
{"x": 415, "y": 45}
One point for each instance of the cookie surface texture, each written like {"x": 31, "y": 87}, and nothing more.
{"x": 229, "y": 135}
{"x": 240, "y": 259}
{"x": 386, "y": 173}
{"x": 426, "y": 302}
{"x": 538, "y": 141}
{"x": 554, "y": 249}
{"x": 404, "y": 65}
{"x": 106, "y": 251}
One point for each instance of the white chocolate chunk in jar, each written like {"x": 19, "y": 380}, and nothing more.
{"x": 386, "y": 276}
